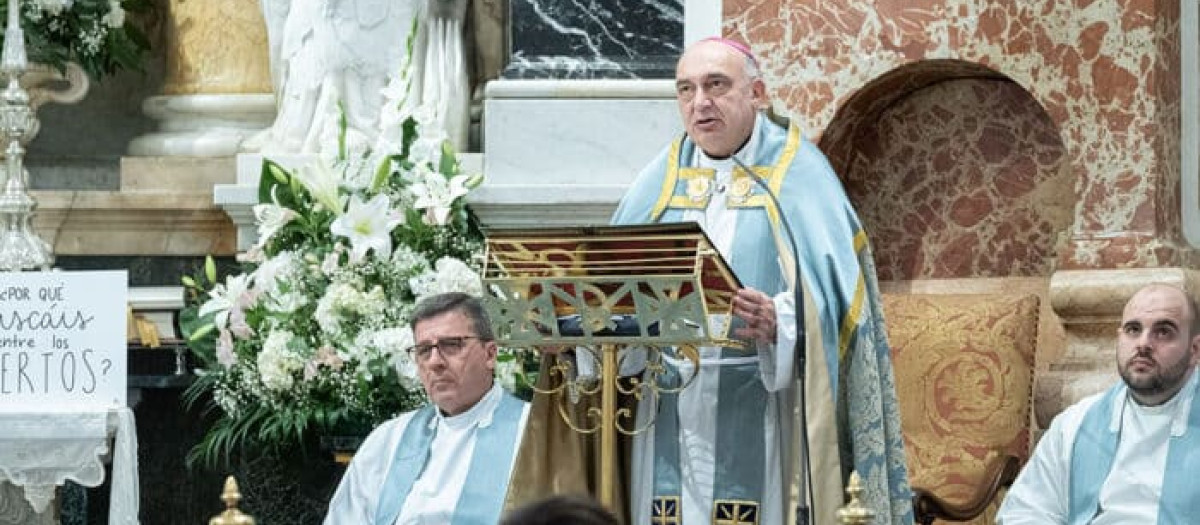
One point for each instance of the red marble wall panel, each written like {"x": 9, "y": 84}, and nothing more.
{"x": 963, "y": 178}
{"x": 1105, "y": 71}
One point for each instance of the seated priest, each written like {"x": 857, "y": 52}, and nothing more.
{"x": 448, "y": 462}
{"x": 1129, "y": 454}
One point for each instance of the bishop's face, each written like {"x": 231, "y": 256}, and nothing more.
{"x": 1156, "y": 351}
{"x": 718, "y": 100}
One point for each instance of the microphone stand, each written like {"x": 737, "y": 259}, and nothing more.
{"x": 804, "y": 512}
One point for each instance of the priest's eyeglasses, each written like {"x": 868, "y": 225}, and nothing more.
{"x": 447, "y": 346}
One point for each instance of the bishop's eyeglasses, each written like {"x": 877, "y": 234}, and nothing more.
{"x": 447, "y": 346}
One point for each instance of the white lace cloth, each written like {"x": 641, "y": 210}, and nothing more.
{"x": 40, "y": 451}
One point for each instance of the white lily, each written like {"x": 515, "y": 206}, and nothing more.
{"x": 278, "y": 268}
{"x": 226, "y": 296}
{"x": 270, "y": 219}
{"x": 436, "y": 194}
{"x": 322, "y": 182}
{"x": 368, "y": 226}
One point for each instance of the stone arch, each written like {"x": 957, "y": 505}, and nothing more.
{"x": 956, "y": 171}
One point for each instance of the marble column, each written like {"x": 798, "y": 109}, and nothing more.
{"x": 217, "y": 90}
{"x": 1189, "y": 122}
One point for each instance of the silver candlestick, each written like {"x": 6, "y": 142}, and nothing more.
{"x": 20, "y": 246}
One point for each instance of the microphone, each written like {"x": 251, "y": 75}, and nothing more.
{"x": 804, "y": 513}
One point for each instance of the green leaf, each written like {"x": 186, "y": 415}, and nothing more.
{"x": 201, "y": 332}
{"x": 410, "y": 136}
{"x": 275, "y": 182}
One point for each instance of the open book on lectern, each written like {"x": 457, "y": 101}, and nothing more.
{"x": 650, "y": 283}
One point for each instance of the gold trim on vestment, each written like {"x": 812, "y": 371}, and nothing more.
{"x": 774, "y": 176}
{"x": 668, "y": 186}
{"x": 779, "y": 172}
{"x": 854, "y": 314}
{"x": 741, "y": 187}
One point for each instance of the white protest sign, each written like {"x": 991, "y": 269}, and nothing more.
{"x": 62, "y": 340}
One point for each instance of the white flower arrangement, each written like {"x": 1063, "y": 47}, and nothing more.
{"x": 311, "y": 336}
{"x": 93, "y": 33}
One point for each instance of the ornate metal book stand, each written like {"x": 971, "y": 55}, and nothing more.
{"x": 619, "y": 293}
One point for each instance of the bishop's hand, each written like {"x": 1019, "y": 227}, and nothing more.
{"x": 758, "y": 311}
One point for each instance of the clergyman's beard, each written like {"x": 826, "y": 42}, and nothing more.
{"x": 1165, "y": 379}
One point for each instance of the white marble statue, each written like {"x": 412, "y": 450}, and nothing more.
{"x": 345, "y": 52}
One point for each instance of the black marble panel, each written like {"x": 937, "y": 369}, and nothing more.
{"x": 146, "y": 270}
{"x": 582, "y": 39}
{"x": 74, "y": 504}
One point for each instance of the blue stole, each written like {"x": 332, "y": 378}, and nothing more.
{"x": 1096, "y": 445}
{"x": 482, "y": 498}
{"x": 741, "y": 407}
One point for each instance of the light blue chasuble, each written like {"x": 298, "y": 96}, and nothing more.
{"x": 1095, "y": 447}
{"x": 839, "y": 275}
{"x": 482, "y": 498}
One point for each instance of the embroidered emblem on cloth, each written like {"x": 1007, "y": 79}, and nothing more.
{"x": 665, "y": 510}
{"x": 735, "y": 512}
{"x": 740, "y": 189}
{"x": 699, "y": 188}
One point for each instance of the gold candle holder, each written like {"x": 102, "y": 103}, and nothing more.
{"x": 231, "y": 516}
{"x": 854, "y": 513}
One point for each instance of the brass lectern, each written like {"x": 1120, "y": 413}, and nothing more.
{"x": 658, "y": 290}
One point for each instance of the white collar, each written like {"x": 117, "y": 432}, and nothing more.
{"x": 478, "y": 415}
{"x": 745, "y": 153}
{"x": 1180, "y": 406}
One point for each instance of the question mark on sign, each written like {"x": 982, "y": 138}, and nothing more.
{"x": 106, "y": 364}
